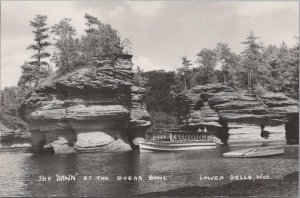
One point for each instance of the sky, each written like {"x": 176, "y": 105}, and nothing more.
{"x": 161, "y": 32}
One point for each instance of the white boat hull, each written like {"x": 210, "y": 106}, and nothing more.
{"x": 162, "y": 146}
{"x": 255, "y": 152}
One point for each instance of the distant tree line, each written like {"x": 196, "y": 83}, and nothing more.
{"x": 9, "y": 102}
{"x": 160, "y": 103}
{"x": 256, "y": 69}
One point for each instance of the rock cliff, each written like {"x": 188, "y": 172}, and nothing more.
{"x": 140, "y": 118}
{"x": 215, "y": 106}
{"x": 86, "y": 110}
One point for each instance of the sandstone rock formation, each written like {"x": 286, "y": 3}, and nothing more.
{"x": 216, "y": 105}
{"x": 88, "y": 109}
{"x": 140, "y": 118}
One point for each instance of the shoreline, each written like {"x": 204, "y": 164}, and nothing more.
{"x": 26, "y": 146}
{"x": 285, "y": 187}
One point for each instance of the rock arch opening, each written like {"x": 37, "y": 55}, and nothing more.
{"x": 199, "y": 105}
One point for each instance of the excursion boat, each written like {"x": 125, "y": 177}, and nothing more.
{"x": 178, "y": 141}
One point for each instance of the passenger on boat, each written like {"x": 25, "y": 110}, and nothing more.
{"x": 202, "y": 130}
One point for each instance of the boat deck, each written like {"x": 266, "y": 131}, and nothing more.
{"x": 177, "y": 141}
{"x": 181, "y": 136}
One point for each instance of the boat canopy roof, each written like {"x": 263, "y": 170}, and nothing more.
{"x": 177, "y": 132}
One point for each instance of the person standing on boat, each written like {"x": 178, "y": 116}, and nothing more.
{"x": 204, "y": 130}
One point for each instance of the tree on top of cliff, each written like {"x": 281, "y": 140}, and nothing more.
{"x": 184, "y": 72}
{"x": 126, "y": 46}
{"x": 38, "y": 68}
{"x": 91, "y": 22}
{"x": 291, "y": 74}
{"x": 28, "y": 77}
{"x": 138, "y": 78}
{"x": 27, "y": 81}
{"x": 251, "y": 60}
{"x": 100, "y": 41}
{"x": 270, "y": 59}
{"x": 228, "y": 60}
{"x": 207, "y": 61}
{"x": 67, "y": 55}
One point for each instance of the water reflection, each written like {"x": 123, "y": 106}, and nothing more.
{"x": 13, "y": 170}
{"x": 19, "y": 172}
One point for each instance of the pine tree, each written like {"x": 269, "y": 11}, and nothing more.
{"x": 251, "y": 60}
{"x": 28, "y": 77}
{"x": 91, "y": 23}
{"x": 184, "y": 71}
{"x": 291, "y": 73}
{"x": 67, "y": 55}
{"x": 27, "y": 81}
{"x": 101, "y": 40}
{"x": 138, "y": 79}
{"x": 224, "y": 55}
{"x": 207, "y": 61}
{"x": 263, "y": 73}
{"x": 38, "y": 68}
{"x": 270, "y": 62}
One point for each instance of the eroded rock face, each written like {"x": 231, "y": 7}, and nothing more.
{"x": 140, "y": 118}
{"x": 87, "y": 109}
{"x": 217, "y": 105}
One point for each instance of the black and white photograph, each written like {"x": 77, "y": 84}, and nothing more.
{"x": 149, "y": 98}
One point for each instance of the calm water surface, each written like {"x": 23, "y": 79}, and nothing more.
{"x": 19, "y": 172}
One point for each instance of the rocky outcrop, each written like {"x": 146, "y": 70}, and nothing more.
{"x": 216, "y": 105}
{"x": 88, "y": 109}
{"x": 140, "y": 118}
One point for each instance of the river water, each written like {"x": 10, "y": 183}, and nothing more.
{"x": 20, "y": 172}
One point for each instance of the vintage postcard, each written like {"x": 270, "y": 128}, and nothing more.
{"x": 149, "y": 99}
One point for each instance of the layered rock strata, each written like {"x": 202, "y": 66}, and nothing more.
{"x": 88, "y": 109}
{"x": 139, "y": 118}
{"x": 216, "y": 105}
